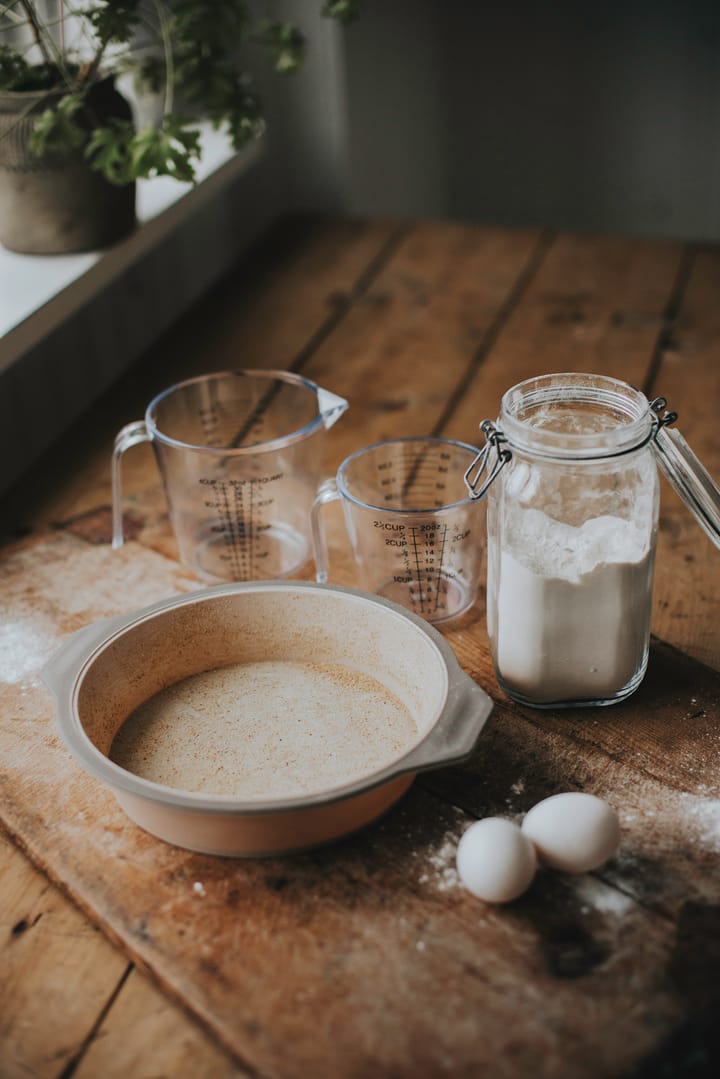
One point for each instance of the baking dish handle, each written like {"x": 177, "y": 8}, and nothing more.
{"x": 63, "y": 667}
{"x": 454, "y": 736}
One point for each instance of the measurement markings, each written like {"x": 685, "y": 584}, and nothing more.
{"x": 239, "y": 548}
{"x": 210, "y": 423}
{"x": 414, "y": 532}
{"x": 423, "y": 473}
{"x": 440, "y": 566}
{"x": 252, "y": 517}
{"x": 230, "y": 535}
{"x": 254, "y": 421}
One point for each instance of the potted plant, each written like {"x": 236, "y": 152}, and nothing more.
{"x": 70, "y": 152}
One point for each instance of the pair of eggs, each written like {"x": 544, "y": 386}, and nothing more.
{"x": 574, "y": 832}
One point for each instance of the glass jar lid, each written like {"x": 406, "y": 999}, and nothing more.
{"x": 689, "y": 478}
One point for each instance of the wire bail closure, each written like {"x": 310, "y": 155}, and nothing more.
{"x": 659, "y": 405}
{"x": 494, "y": 440}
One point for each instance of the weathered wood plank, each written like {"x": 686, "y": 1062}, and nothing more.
{"x": 595, "y": 304}
{"x": 50, "y": 955}
{"x": 330, "y": 963}
{"x": 365, "y": 931}
{"x": 400, "y": 353}
{"x": 145, "y": 1035}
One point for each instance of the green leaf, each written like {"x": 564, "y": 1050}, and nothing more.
{"x": 285, "y": 44}
{"x": 169, "y": 151}
{"x": 108, "y": 151}
{"x": 56, "y": 129}
{"x": 114, "y": 20}
{"x": 122, "y": 155}
{"x": 14, "y": 70}
{"x": 217, "y": 27}
{"x": 343, "y": 10}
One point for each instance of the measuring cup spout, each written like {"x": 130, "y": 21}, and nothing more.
{"x": 331, "y": 407}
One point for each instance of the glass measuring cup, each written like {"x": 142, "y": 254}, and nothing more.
{"x": 239, "y": 454}
{"x": 414, "y": 531}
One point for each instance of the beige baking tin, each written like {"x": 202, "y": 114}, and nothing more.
{"x": 106, "y": 671}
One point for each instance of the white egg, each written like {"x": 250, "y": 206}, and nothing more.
{"x": 574, "y": 832}
{"x": 496, "y": 862}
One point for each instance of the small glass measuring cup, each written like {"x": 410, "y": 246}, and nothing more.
{"x": 239, "y": 453}
{"x": 414, "y": 531}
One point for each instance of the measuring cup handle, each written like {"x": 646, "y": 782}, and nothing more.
{"x": 327, "y": 492}
{"x": 131, "y": 435}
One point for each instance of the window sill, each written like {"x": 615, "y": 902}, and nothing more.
{"x": 71, "y": 325}
{"x": 28, "y": 282}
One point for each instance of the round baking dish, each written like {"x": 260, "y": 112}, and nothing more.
{"x": 338, "y": 636}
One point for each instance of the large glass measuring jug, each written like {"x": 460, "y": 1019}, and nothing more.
{"x": 414, "y": 531}
{"x": 239, "y": 453}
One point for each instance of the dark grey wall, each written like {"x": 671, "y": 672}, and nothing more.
{"x": 603, "y": 117}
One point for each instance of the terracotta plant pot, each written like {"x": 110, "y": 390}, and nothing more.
{"x": 56, "y": 204}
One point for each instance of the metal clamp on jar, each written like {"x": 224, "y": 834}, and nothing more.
{"x": 573, "y": 495}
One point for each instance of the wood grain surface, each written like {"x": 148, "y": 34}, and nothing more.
{"x": 367, "y": 958}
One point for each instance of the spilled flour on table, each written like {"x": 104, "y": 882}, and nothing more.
{"x": 595, "y": 895}
{"x": 442, "y": 862}
{"x": 669, "y": 848}
{"x": 705, "y": 815}
{"x": 683, "y": 819}
{"x": 439, "y": 860}
{"x": 25, "y": 646}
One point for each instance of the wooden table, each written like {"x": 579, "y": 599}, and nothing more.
{"x": 122, "y": 956}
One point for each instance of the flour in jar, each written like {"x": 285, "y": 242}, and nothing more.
{"x": 569, "y": 612}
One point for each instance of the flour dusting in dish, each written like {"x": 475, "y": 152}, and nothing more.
{"x": 265, "y": 730}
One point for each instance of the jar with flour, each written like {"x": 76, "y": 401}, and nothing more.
{"x": 572, "y": 486}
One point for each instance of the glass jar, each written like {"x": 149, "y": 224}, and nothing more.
{"x": 572, "y": 526}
